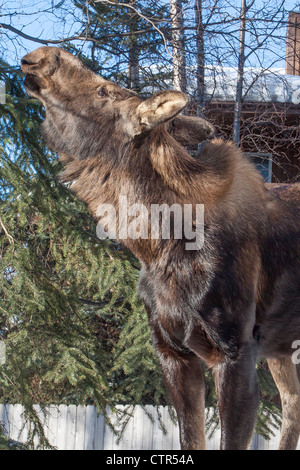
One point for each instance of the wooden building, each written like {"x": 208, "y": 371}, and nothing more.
{"x": 270, "y": 123}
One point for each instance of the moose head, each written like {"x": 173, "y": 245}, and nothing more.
{"x": 85, "y": 113}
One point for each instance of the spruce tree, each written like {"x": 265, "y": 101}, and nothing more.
{"x": 74, "y": 329}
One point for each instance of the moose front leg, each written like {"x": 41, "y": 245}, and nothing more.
{"x": 184, "y": 379}
{"x": 237, "y": 390}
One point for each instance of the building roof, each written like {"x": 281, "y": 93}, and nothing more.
{"x": 272, "y": 85}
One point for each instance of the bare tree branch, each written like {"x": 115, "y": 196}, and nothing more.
{"x": 78, "y": 37}
{"x": 128, "y": 5}
{"x": 40, "y": 41}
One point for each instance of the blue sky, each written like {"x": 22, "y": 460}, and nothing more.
{"x": 33, "y": 17}
{"x": 27, "y": 16}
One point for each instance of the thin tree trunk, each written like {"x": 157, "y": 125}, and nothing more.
{"x": 240, "y": 76}
{"x": 200, "y": 57}
{"x": 133, "y": 56}
{"x": 178, "y": 43}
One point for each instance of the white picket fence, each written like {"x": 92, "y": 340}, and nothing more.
{"x": 71, "y": 427}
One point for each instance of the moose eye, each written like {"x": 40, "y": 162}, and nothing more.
{"x": 101, "y": 93}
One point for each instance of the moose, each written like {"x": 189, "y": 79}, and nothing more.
{"x": 228, "y": 304}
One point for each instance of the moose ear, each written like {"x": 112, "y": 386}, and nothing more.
{"x": 190, "y": 130}
{"x": 161, "y": 107}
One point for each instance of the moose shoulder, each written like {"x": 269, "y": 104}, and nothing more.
{"x": 235, "y": 299}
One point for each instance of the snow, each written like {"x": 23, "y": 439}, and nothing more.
{"x": 260, "y": 85}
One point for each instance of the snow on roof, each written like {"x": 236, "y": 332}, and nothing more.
{"x": 260, "y": 85}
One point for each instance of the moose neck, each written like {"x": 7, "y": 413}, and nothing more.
{"x": 152, "y": 169}
{"x": 200, "y": 181}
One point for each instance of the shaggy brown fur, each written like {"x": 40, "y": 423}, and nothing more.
{"x": 228, "y": 303}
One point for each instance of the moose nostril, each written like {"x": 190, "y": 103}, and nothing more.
{"x": 27, "y": 62}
